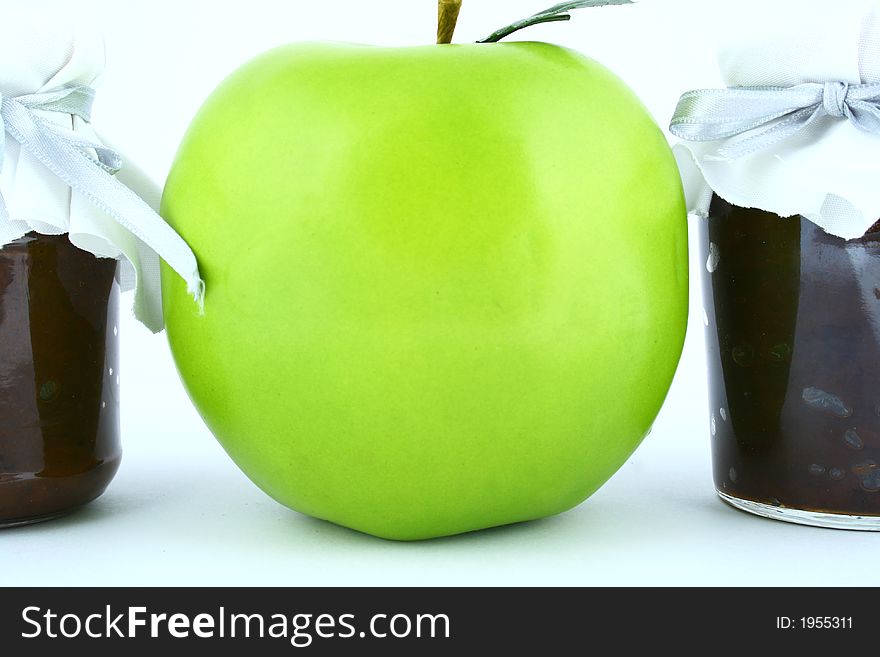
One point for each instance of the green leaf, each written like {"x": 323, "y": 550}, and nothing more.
{"x": 555, "y": 13}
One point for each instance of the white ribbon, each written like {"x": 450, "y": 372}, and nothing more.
{"x": 796, "y": 131}
{"x": 765, "y": 116}
{"x": 89, "y": 168}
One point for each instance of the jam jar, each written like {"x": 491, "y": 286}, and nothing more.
{"x": 793, "y": 345}
{"x": 59, "y": 410}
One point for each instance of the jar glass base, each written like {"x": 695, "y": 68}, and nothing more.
{"x": 801, "y": 517}
{"x": 33, "y": 520}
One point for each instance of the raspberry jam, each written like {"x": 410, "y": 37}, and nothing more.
{"x": 793, "y": 342}
{"x": 59, "y": 411}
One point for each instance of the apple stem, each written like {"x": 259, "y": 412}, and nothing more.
{"x": 447, "y": 17}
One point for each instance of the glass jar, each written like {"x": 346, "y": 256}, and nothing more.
{"x": 793, "y": 345}
{"x": 59, "y": 410}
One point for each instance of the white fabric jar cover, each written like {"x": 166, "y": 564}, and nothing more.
{"x": 827, "y": 172}
{"x": 40, "y": 57}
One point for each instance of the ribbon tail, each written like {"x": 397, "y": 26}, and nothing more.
{"x": 865, "y": 115}
{"x": 775, "y": 133}
{"x": 713, "y": 114}
{"x": 105, "y": 157}
{"x": 75, "y": 100}
{"x": 91, "y": 180}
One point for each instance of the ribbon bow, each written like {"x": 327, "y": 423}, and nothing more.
{"x": 774, "y": 113}
{"x": 88, "y": 168}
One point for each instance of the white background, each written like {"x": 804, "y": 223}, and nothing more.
{"x": 179, "y": 511}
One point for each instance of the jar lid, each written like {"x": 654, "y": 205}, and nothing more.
{"x": 797, "y": 132}
{"x": 56, "y": 174}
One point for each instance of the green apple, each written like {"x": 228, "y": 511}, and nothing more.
{"x": 446, "y": 285}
